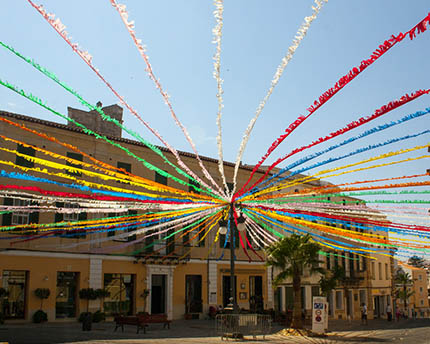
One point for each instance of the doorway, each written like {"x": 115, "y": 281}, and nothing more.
{"x": 66, "y": 294}
{"x": 376, "y": 307}
{"x": 226, "y": 289}
{"x": 349, "y": 305}
{"x": 256, "y": 302}
{"x": 158, "y": 294}
{"x": 193, "y": 294}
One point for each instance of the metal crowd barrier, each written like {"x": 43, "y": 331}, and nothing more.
{"x": 239, "y": 325}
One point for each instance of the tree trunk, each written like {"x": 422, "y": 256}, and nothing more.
{"x": 297, "y": 310}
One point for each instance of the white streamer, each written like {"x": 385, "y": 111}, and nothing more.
{"x": 301, "y": 33}
{"x": 217, "y": 32}
{"x": 138, "y": 43}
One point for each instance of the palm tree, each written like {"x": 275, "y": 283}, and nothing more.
{"x": 291, "y": 255}
{"x": 403, "y": 279}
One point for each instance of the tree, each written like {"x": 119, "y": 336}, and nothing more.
{"x": 329, "y": 280}
{"x": 291, "y": 255}
{"x": 403, "y": 280}
{"x": 88, "y": 294}
{"x": 416, "y": 261}
{"x": 42, "y": 294}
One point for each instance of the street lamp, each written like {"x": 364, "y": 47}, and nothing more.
{"x": 223, "y": 230}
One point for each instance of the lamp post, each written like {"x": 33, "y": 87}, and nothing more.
{"x": 233, "y": 229}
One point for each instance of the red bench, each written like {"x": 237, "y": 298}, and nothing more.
{"x": 141, "y": 321}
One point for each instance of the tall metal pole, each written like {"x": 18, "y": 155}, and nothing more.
{"x": 232, "y": 280}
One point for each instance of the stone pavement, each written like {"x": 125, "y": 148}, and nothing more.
{"x": 203, "y": 331}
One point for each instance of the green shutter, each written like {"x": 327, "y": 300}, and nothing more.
{"x": 149, "y": 241}
{"x": 170, "y": 242}
{"x": 82, "y": 217}
{"x": 59, "y": 216}
{"x": 7, "y": 218}
{"x": 201, "y": 234}
{"x": 131, "y": 237}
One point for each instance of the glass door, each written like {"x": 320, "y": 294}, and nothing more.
{"x": 66, "y": 294}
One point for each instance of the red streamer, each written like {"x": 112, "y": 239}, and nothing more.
{"x": 341, "y": 83}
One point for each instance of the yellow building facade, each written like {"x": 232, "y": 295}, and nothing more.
{"x": 187, "y": 283}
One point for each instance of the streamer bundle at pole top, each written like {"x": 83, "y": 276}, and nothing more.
{"x": 80, "y": 187}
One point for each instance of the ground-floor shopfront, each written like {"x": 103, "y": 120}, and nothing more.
{"x": 343, "y": 302}
{"x": 178, "y": 290}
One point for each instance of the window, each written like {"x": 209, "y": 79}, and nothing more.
{"x": 420, "y": 277}
{"x": 380, "y": 270}
{"x": 363, "y": 297}
{"x": 160, "y": 178}
{"x": 18, "y": 217}
{"x": 74, "y": 156}
{"x": 70, "y": 217}
{"x": 336, "y": 261}
{"x": 132, "y": 237}
{"x": 121, "y": 289}
{"x": 15, "y": 283}
{"x": 422, "y": 302}
{"x": 328, "y": 261}
{"x": 223, "y": 237}
{"x": 21, "y": 161}
{"x": 421, "y": 289}
{"x": 125, "y": 166}
{"x": 386, "y": 272}
{"x": 343, "y": 261}
{"x": 191, "y": 188}
{"x": 339, "y": 299}
{"x": 373, "y": 271}
{"x": 303, "y": 291}
{"x": 130, "y": 228}
{"x": 351, "y": 262}
{"x": 191, "y": 239}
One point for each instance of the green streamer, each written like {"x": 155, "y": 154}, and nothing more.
{"x": 98, "y": 136}
{"x": 106, "y": 117}
{"x": 133, "y": 253}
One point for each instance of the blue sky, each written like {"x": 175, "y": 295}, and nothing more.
{"x": 256, "y": 35}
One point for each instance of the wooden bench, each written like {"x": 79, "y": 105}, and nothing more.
{"x": 141, "y": 321}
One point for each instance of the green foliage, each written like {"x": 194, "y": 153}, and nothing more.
{"x": 88, "y": 294}
{"x": 99, "y": 316}
{"x": 403, "y": 281}
{"x": 3, "y": 292}
{"x": 42, "y": 293}
{"x": 39, "y": 317}
{"x": 330, "y": 279}
{"x": 416, "y": 261}
{"x": 145, "y": 293}
{"x": 102, "y": 293}
{"x": 291, "y": 255}
{"x": 83, "y": 315}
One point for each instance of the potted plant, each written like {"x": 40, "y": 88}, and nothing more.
{"x": 145, "y": 295}
{"x": 100, "y": 314}
{"x": 40, "y": 315}
{"x": 3, "y": 294}
{"x": 86, "y": 317}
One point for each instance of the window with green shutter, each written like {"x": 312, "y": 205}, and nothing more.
{"x": 21, "y": 161}
{"x": 160, "y": 178}
{"x": 74, "y": 156}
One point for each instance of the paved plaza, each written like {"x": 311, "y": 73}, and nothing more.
{"x": 203, "y": 331}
